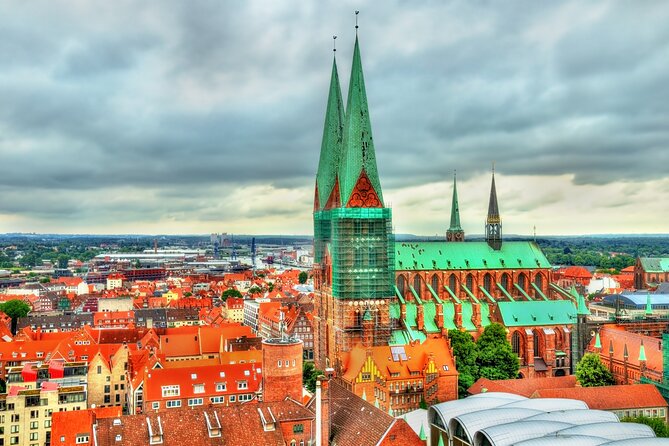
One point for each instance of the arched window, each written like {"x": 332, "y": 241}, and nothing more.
{"x": 401, "y": 284}
{"x": 505, "y": 281}
{"x": 435, "y": 283}
{"x": 515, "y": 343}
{"x": 522, "y": 281}
{"x": 487, "y": 282}
{"x": 453, "y": 283}
{"x": 416, "y": 284}
{"x": 539, "y": 281}
{"x": 537, "y": 341}
{"x": 470, "y": 282}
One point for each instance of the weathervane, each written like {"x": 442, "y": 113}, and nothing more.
{"x": 356, "y": 21}
{"x": 334, "y": 43}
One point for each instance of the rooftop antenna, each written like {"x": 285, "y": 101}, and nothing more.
{"x": 334, "y": 44}
{"x": 356, "y": 22}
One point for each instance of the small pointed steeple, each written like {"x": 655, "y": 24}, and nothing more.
{"x": 331, "y": 144}
{"x": 649, "y": 307}
{"x": 364, "y": 395}
{"x": 581, "y": 307}
{"x": 421, "y": 434}
{"x": 358, "y": 175}
{"x": 376, "y": 403}
{"x": 598, "y": 342}
{"x": 642, "y": 352}
{"x": 493, "y": 224}
{"x": 455, "y": 232}
{"x": 625, "y": 352}
{"x": 610, "y": 346}
{"x": 441, "y": 438}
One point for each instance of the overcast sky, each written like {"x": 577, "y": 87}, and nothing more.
{"x": 197, "y": 117}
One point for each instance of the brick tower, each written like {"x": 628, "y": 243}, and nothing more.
{"x": 282, "y": 367}
{"x": 353, "y": 239}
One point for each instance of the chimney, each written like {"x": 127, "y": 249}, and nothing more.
{"x": 322, "y": 411}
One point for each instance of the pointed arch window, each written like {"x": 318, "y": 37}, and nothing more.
{"x": 416, "y": 284}
{"x": 470, "y": 282}
{"x": 401, "y": 284}
{"x": 435, "y": 283}
{"x": 539, "y": 281}
{"x": 522, "y": 281}
{"x": 515, "y": 343}
{"x": 453, "y": 283}
{"x": 487, "y": 282}
{"x": 537, "y": 342}
{"x": 505, "y": 281}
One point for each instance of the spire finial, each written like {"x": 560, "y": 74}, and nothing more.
{"x": 356, "y": 22}
{"x": 493, "y": 168}
{"x": 334, "y": 43}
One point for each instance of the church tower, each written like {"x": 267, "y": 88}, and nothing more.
{"x": 354, "y": 261}
{"x": 455, "y": 232}
{"x": 493, "y": 223}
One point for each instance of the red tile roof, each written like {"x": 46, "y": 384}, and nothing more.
{"x": 524, "y": 387}
{"x": 633, "y": 396}
{"x": 618, "y": 336}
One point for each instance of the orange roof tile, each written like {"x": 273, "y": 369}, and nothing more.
{"x": 633, "y": 396}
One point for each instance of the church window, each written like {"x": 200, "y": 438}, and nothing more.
{"x": 452, "y": 283}
{"x": 522, "y": 281}
{"x": 487, "y": 282}
{"x": 470, "y": 282}
{"x": 401, "y": 284}
{"x": 505, "y": 281}
{"x": 416, "y": 284}
{"x": 435, "y": 283}
{"x": 515, "y": 343}
{"x": 539, "y": 281}
{"x": 537, "y": 340}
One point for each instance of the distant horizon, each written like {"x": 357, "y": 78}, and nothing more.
{"x": 481, "y": 235}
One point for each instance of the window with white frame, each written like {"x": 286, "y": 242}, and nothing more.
{"x": 217, "y": 399}
{"x": 242, "y": 385}
{"x": 173, "y": 403}
{"x": 198, "y": 388}
{"x": 195, "y": 402}
{"x": 171, "y": 390}
{"x": 220, "y": 387}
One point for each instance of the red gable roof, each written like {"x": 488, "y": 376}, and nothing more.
{"x": 633, "y": 396}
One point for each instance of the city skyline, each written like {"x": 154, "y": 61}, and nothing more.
{"x": 160, "y": 128}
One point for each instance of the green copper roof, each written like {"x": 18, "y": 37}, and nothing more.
{"x": 467, "y": 313}
{"x": 537, "y": 313}
{"x": 332, "y": 140}
{"x": 467, "y": 256}
{"x": 455, "y": 209}
{"x": 422, "y": 435}
{"x": 367, "y": 316}
{"x": 581, "y": 307}
{"x": 493, "y": 208}
{"x": 642, "y": 352}
{"x": 485, "y": 315}
{"x": 655, "y": 264}
{"x": 429, "y": 317}
{"x": 649, "y": 307}
{"x": 441, "y": 439}
{"x": 358, "y": 147}
{"x": 449, "y": 315}
{"x": 598, "y": 341}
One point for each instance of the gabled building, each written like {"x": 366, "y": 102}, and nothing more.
{"x": 650, "y": 271}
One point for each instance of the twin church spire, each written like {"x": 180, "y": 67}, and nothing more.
{"x": 347, "y": 172}
{"x": 493, "y": 225}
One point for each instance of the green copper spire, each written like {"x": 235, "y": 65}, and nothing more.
{"x": 364, "y": 395}
{"x": 598, "y": 341}
{"x": 358, "y": 154}
{"x": 441, "y": 439}
{"x": 332, "y": 140}
{"x": 581, "y": 307}
{"x": 421, "y": 434}
{"x": 493, "y": 222}
{"x": 642, "y": 352}
{"x": 455, "y": 209}
{"x": 649, "y": 307}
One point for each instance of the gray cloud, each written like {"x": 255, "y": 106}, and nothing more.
{"x": 183, "y": 99}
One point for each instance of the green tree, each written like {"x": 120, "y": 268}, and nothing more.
{"x": 496, "y": 359}
{"x": 466, "y": 354}
{"x": 657, "y": 424}
{"x": 309, "y": 375}
{"x": 590, "y": 372}
{"x": 255, "y": 290}
{"x": 15, "y": 309}
{"x": 302, "y": 278}
{"x": 231, "y": 292}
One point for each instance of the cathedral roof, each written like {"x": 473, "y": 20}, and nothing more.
{"x": 537, "y": 313}
{"x": 332, "y": 140}
{"x": 358, "y": 156}
{"x": 468, "y": 256}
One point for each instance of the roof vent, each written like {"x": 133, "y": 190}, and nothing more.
{"x": 268, "y": 422}
{"x": 157, "y": 436}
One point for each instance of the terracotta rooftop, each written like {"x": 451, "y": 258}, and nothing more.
{"x": 524, "y": 387}
{"x": 634, "y": 396}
